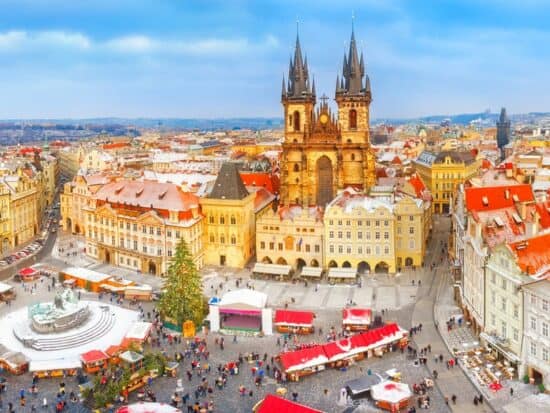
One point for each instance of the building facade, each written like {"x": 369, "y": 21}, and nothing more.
{"x": 325, "y": 153}
{"x": 138, "y": 225}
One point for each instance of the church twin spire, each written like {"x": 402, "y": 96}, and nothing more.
{"x": 353, "y": 82}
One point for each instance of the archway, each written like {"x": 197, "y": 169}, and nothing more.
{"x": 107, "y": 257}
{"x": 363, "y": 267}
{"x": 281, "y": 261}
{"x": 77, "y": 229}
{"x": 408, "y": 261}
{"x": 333, "y": 264}
{"x": 300, "y": 263}
{"x": 314, "y": 263}
{"x": 16, "y": 240}
{"x": 152, "y": 268}
{"x": 69, "y": 224}
{"x": 267, "y": 260}
{"x": 381, "y": 268}
{"x": 324, "y": 181}
{"x": 346, "y": 264}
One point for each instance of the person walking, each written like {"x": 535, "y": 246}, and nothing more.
{"x": 453, "y": 398}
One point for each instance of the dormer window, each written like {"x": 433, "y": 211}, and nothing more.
{"x": 485, "y": 201}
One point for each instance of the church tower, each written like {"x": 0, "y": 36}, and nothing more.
{"x": 353, "y": 97}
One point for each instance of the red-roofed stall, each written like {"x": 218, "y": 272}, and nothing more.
{"x": 296, "y": 322}
{"x": 275, "y": 404}
{"x": 356, "y": 319}
{"x": 94, "y": 360}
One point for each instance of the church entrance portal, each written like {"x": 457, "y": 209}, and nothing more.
{"x": 324, "y": 181}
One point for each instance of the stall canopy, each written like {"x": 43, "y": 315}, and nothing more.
{"x": 111, "y": 288}
{"x": 274, "y": 404}
{"x": 294, "y": 318}
{"x": 93, "y": 356}
{"x": 357, "y": 316}
{"x": 4, "y": 288}
{"x": 138, "y": 332}
{"x": 342, "y": 273}
{"x": 28, "y": 272}
{"x": 144, "y": 407}
{"x": 391, "y": 392}
{"x": 303, "y": 359}
{"x": 49, "y": 365}
{"x": 314, "y": 272}
{"x": 273, "y": 269}
{"x": 362, "y": 385}
{"x": 244, "y": 297}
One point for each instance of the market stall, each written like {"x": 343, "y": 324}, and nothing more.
{"x": 7, "y": 292}
{"x": 138, "y": 292}
{"x": 94, "y": 361}
{"x": 296, "y": 322}
{"x": 311, "y": 272}
{"x": 85, "y": 278}
{"x": 276, "y": 404}
{"x": 262, "y": 270}
{"x": 304, "y": 362}
{"x": 28, "y": 274}
{"x": 348, "y": 275}
{"x": 356, "y": 319}
{"x": 114, "y": 352}
{"x": 241, "y": 311}
{"x": 360, "y": 388}
{"x": 132, "y": 360}
{"x": 147, "y": 407}
{"x": 13, "y": 361}
{"x": 137, "y": 334}
{"x": 391, "y": 396}
{"x": 53, "y": 368}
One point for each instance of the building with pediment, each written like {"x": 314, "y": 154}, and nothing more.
{"x": 138, "y": 225}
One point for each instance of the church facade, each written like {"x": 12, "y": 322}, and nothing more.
{"x": 323, "y": 152}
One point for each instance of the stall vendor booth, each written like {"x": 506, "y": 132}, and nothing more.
{"x": 137, "y": 334}
{"x": 132, "y": 360}
{"x": 304, "y": 362}
{"x": 262, "y": 270}
{"x": 146, "y": 407}
{"x": 7, "y": 292}
{"x": 356, "y": 319}
{"x": 114, "y": 352}
{"x": 85, "y": 278}
{"x": 241, "y": 311}
{"x": 276, "y": 404}
{"x": 360, "y": 388}
{"x": 14, "y": 362}
{"x": 296, "y": 322}
{"x": 391, "y": 396}
{"x": 54, "y": 368}
{"x": 28, "y": 274}
{"x": 139, "y": 292}
{"x": 94, "y": 361}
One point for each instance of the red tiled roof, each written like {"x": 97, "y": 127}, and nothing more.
{"x": 543, "y": 209}
{"x": 115, "y": 145}
{"x": 291, "y": 317}
{"x": 418, "y": 185}
{"x": 532, "y": 254}
{"x": 275, "y": 404}
{"x": 93, "y": 356}
{"x": 497, "y": 196}
{"x": 262, "y": 179}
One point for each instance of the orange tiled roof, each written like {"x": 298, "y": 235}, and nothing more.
{"x": 543, "y": 209}
{"x": 532, "y": 254}
{"x": 497, "y": 197}
{"x": 115, "y": 145}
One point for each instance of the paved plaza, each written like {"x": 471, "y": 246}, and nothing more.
{"x": 401, "y": 297}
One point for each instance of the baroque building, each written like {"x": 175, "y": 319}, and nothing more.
{"x": 324, "y": 153}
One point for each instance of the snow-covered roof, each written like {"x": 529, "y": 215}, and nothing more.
{"x": 244, "y": 296}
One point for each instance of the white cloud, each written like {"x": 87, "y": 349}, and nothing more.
{"x": 132, "y": 44}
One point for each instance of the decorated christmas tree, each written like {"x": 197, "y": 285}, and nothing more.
{"x": 183, "y": 298}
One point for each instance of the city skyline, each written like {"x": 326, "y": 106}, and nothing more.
{"x": 213, "y": 60}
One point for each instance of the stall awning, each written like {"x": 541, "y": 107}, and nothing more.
{"x": 294, "y": 318}
{"x": 28, "y": 272}
{"x": 492, "y": 341}
{"x": 311, "y": 272}
{"x": 93, "y": 356}
{"x": 274, "y": 404}
{"x": 274, "y": 269}
{"x": 342, "y": 273}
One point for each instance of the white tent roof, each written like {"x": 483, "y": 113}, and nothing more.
{"x": 311, "y": 272}
{"x": 86, "y": 274}
{"x": 276, "y": 269}
{"x": 342, "y": 273}
{"x": 139, "y": 330}
{"x": 4, "y": 287}
{"x": 244, "y": 296}
{"x": 390, "y": 391}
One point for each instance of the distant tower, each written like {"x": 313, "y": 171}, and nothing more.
{"x": 504, "y": 132}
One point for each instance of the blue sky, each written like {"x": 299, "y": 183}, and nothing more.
{"x": 185, "y": 58}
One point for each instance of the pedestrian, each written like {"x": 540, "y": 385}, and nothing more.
{"x": 475, "y": 400}
{"x": 511, "y": 391}
{"x": 446, "y": 400}
{"x": 453, "y": 398}
{"x": 45, "y": 403}
{"x": 480, "y": 398}
{"x": 294, "y": 396}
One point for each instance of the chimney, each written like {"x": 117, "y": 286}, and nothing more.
{"x": 532, "y": 226}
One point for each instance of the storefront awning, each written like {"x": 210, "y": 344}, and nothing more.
{"x": 493, "y": 342}
{"x": 274, "y": 269}
{"x": 342, "y": 273}
{"x": 311, "y": 272}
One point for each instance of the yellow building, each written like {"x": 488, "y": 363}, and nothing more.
{"x": 5, "y": 220}
{"x": 75, "y": 197}
{"x": 291, "y": 235}
{"x": 230, "y": 212}
{"x": 69, "y": 160}
{"x": 443, "y": 172}
{"x": 138, "y": 225}
{"x": 380, "y": 232}
{"x": 23, "y": 206}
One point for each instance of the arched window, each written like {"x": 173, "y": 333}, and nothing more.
{"x": 353, "y": 119}
{"x": 296, "y": 167}
{"x": 233, "y": 220}
{"x": 353, "y": 157}
{"x": 296, "y": 118}
{"x": 233, "y": 239}
{"x": 212, "y": 238}
{"x": 211, "y": 219}
{"x": 222, "y": 220}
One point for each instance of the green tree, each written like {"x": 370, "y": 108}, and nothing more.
{"x": 183, "y": 297}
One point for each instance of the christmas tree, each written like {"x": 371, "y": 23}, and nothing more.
{"x": 183, "y": 298}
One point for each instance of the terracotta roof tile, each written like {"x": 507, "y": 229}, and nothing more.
{"x": 533, "y": 254}
{"x": 497, "y": 197}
